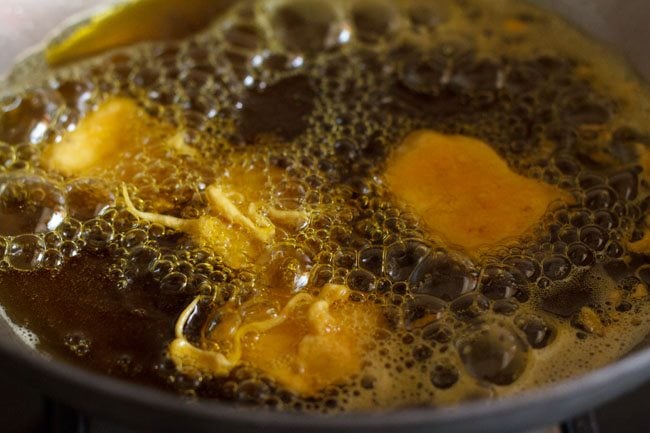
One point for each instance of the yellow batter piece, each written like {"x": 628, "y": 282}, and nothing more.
{"x": 464, "y": 192}
{"x": 314, "y": 341}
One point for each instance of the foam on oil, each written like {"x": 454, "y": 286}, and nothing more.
{"x": 325, "y": 91}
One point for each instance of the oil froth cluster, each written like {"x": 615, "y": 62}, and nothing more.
{"x": 323, "y": 93}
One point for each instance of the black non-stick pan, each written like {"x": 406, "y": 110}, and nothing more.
{"x": 623, "y": 24}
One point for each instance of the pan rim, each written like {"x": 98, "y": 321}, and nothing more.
{"x": 614, "y": 379}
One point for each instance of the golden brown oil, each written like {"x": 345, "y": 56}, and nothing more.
{"x": 324, "y": 91}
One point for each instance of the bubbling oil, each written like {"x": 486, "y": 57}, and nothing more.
{"x": 324, "y": 92}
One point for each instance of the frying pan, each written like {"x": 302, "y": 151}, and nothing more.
{"x": 623, "y": 24}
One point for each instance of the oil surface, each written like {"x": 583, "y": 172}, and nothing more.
{"x": 322, "y": 93}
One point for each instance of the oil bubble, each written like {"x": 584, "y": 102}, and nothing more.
{"x": 494, "y": 353}
{"x": 29, "y": 204}
{"x": 25, "y": 252}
